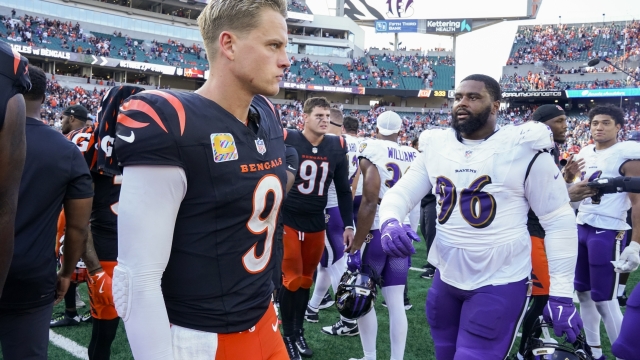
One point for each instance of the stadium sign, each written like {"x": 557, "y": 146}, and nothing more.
{"x": 41, "y": 52}
{"x": 328, "y": 88}
{"x": 603, "y": 93}
{"x": 532, "y": 94}
{"x": 164, "y": 69}
{"x": 396, "y": 26}
{"x": 449, "y": 26}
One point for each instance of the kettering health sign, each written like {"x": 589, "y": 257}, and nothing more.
{"x": 396, "y": 26}
{"x": 603, "y": 93}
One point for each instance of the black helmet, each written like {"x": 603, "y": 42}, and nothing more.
{"x": 547, "y": 348}
{"x": 356, "y": 295}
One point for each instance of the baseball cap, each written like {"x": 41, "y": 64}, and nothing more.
{"x": 389, "y": 123}
{"x": 547, "y": 112}
{"x": 634, "y": 135}
{"x": 78, "y": 111}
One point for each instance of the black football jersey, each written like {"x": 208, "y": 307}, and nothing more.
{"x": 104, "y": 211}
{"x": 14, "y": 76}
{"x": 218, "y": 278}
{"x": 303, "y": 209}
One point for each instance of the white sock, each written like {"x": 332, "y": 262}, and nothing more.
{"x": 596, "y": 352}
{"x": 590, "y": 318}
{"x": 398, "y": 326}
{"x": 621, "y": 289}
{"x": 336, "y": 271}
{"x": 323, "y": 281}
{"x": 368, "y": 326}
{"x": 611, "y": 316}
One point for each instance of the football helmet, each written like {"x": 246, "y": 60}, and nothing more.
{"x": 356, "y": 294}
{"x": 548, "y": 348}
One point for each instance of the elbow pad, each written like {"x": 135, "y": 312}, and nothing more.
{"x": 616, "y": 185}
{"x": 122, "y": 291}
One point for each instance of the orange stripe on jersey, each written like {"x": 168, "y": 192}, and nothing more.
{"x": 177, "y": 105}
{"x": 16, "y": 61}
{"x": 270, "y": 104}
{"x": 341, "y": 141}
{"x": 285, "y": 134}
{"x": 141, "y": 106}
{"x": 129, "y": 122}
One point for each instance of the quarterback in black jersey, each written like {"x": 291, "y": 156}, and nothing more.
{"x": 322, "y": 159}
{"x": 14, "y": 81}
{"x": 204, "y": 178}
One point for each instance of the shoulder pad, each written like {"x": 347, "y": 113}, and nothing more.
{"x": 629, "y": 150}
{"x": 427, "y": 137}
{"x": 537, "y": 135}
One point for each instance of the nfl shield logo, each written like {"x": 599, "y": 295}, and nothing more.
{"x": 468, "y": 153}
{"x": 261, "y": 147}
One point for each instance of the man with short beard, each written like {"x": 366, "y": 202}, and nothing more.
{"x": 486, "y": 179}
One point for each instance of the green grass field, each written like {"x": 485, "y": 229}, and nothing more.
{"x": 419, "y": 344}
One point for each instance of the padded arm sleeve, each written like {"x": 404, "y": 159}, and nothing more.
{"x": 343, "y": 191}
{"x": 407, "y": 192}
{"x": 149, "y": 201}
{"x": 548, "y": 197}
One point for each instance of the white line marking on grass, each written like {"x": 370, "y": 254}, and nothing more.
{"x": 416, "y": 269}
{"x": 69, "y": 346}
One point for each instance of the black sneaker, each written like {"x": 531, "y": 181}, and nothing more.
{"x": 622, "y": 300}
{"x": 86, "y": 318}
{"x": 292, "y": 349}
{"x": 311, "y": 315}
{"x": 342, "y": 328}
{"x": 428, "y": 273}
{"x": 303, "y": 348}
{"x": 327, "y": 302}
{"x": 64, "y": 320}
{"x": 407, "y": 304}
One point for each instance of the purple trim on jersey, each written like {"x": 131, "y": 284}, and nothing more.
{"x": 627, "y": 345}
{"x": 375, "y": 262}
{"x": 334, "y": 243}
{"x": 594, "y": 271}
{"x": 475, "y": 324}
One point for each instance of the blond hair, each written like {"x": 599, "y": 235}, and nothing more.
{"x": 239, "y": 16}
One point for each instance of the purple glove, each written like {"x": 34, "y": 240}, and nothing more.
{"x": 354, "y": 261}
{"x": 410, "y": 233}
{"x": 561, "y": 312}
{"x": 395, "y": 241}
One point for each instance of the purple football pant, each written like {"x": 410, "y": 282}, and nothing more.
{"x": 333, "y": 241}
{"x": 627, "y": 345}
{"x": 357, "y": 200}
{"x": 594, "y": 271}
{"x": 375, "y": 262}
{"x": 478, "y": 324}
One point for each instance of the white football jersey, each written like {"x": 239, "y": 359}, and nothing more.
{"x": 611, "y": 213}
{"x": 392, "y": 161}
{"x": 483, "y": 199}
{"x": 352, "y": 155}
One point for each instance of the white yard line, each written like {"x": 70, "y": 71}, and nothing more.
{"x": 416, "y": 269}
{"x": 69, "y": 346}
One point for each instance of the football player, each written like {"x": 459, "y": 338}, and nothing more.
{"x": 13, "y": 83}
{"x": 350, "y": 130}
{"x": 553, "y": 116}
{"x": 322, "y": 161}
{"x": 382, "y": 163}
{"x": 602, "y": 227}
{"x": 205, "y": 176}
{"x": 486, "y": 179}
{"x": 332, "y": 264}
{"x": 54, "y": 175}
{"x": 102, "y": 245}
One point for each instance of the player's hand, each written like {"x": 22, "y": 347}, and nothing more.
{"x": 564, "y": 316}
{"x": 394, "y": 238}
{"x": 354, "y": 261}
{"x": 99, "y": 285}
{"x": 410, "y": 233}
{"x": 347, "y": 237}
{"x": 573, "y": 168}
{"x": 629, "y": 259}
{"x": 62, "y": 285}
{"x": 580, "y": 191}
